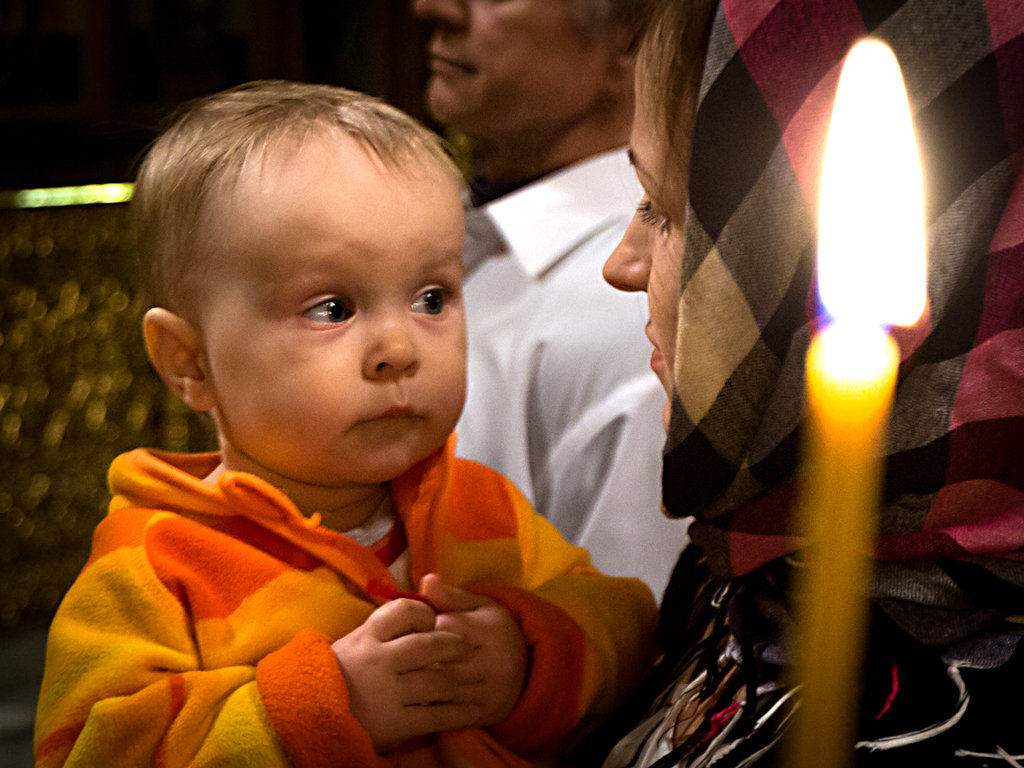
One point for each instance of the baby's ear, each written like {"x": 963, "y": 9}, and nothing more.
{"x": 175, "y": 348}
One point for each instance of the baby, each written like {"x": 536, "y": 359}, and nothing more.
{"x": 333, "y": 586}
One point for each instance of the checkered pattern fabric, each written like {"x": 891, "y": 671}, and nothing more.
{"x": 944, "y": 638}
{"x": 955, "y": 466}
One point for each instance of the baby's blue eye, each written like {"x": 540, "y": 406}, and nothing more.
{"x": 329, "y": 311}
{"x": 430, "y": 302}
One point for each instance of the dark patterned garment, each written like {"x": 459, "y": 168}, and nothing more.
{"x": 944, "y": 678}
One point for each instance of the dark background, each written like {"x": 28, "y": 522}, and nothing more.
{"x": 85, "y": 83}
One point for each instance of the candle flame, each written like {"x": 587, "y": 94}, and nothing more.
{"x": 871, "y": 238}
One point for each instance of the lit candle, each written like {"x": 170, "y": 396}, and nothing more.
{"x": 871, "y": 274}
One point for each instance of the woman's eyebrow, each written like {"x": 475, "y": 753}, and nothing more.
{"x": 646, "y": 179}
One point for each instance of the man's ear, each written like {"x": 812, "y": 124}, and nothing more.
{"x": 175, "y": 348}
{"x": 621, "y": 68}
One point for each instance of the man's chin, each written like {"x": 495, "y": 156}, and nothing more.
{"x": 445, "y": 103}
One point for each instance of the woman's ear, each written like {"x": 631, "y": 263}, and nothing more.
{"x": 175, "y": 348}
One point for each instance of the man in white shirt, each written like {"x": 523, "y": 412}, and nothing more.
{"x": 561, "y": 397}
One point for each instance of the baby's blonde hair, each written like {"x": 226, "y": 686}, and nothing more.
{"x": 217, "y": 134}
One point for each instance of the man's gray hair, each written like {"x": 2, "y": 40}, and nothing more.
{"x": 629, "y": 15}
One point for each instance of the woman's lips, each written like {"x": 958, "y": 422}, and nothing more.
{"x": 658, "y": 362}
{"x": 657, "y": 359}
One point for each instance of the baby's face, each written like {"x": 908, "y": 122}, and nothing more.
{"x": 333, "y": 323}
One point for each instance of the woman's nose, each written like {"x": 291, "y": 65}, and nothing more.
{"x": 629, "y": 266}
{"x": 392, "y": 351}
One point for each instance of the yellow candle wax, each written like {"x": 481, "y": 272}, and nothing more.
{"x": 851, "y": 374}
{"x": 871, "y": 273}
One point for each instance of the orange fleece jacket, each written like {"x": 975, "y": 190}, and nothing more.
{"x": 200, "y": 630}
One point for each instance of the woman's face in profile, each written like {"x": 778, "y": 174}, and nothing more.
{"x": 649, "y": 257}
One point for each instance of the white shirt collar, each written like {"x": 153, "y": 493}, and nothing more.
{"x": 544, "y": 220}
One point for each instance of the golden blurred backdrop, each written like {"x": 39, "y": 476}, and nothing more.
{"x": 75, "y": 390}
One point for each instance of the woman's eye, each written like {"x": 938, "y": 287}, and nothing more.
{"x": 329, "y": 311}
{"x": 651, "y": 217}
{"x": 430, "y": 302}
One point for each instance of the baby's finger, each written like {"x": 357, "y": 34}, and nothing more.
{"x": 474, "y": 693}
{"x": 446, "y": 598}
{"x": 431, "y": 685}
{"x": 425, "y": 649}
{"x": 465, "y": 673}
{"x": 399, "y": 618}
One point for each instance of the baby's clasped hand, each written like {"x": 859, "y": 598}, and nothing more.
{"x": 492, "y": 673}
{"x": 395, "y": 667}
{"x": 446, "y": 660}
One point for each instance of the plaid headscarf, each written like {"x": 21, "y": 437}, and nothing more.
{"x": 952, "y": 521}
